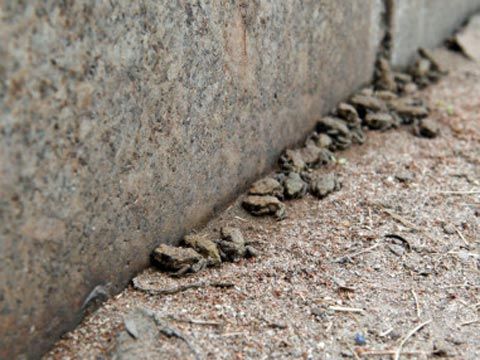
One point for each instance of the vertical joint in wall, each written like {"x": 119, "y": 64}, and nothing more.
{"x": 385, "y": 49}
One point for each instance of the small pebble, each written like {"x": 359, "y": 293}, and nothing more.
{"x": 448, "y": 229}
{"x": 397, "y": 249}
{"x": 404, "y": 176}
{"x": 360, "y": 339}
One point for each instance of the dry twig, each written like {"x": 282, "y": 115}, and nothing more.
{"x": 388, "y": 352}
{"x": 465, "y": 284}
{"x": 180, "y": 288}
{"x": 240, "y": 218}
{"x": 459, "y": 192}
{"x": 402, "y": 220}
{"x": 409, "y": 335}
{"x": 345, "y": 309}
{"x": 351, "y": 256}
{"x": 417, "y": 306}
{"x": 194, "y": 321}
{"x": 470, "y": 322}
{"x": 172, "y": 332}
{"x": 386, "y": 332}
{"x": 230, "y": 334}
{"x": 354, "y": 352}
{"x": 407, "y": 223}
{"x": 461, "y": 236}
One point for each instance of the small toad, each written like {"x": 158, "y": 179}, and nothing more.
{"x": 233, "y": 246}
{"x": 178, "y": 260}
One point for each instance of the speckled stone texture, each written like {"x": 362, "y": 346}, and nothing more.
{"x": 425, "y": 23}
{"x": 126, "y": 123}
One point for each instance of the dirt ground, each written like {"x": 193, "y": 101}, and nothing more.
{"x": 349, "y": 276}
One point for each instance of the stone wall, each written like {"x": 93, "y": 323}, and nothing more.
{"x": 128, "y": 123}
{"x": 425, "y": 23}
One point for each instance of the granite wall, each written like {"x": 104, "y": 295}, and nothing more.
{"x": 426, "y": 23}
{"x": 127, "y": 123}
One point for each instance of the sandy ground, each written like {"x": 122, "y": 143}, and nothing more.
{"x": 396, "y": 254}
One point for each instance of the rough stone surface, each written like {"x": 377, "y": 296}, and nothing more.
{"x": 424, "y": 23}
{"x": 145, "y": 336}
{"x": 140, "y": 337}
{"x": 112, "y": 110}
{"x": 468, "y": 39}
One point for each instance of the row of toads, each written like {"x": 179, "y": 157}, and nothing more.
{"x": 388, "y": 104}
